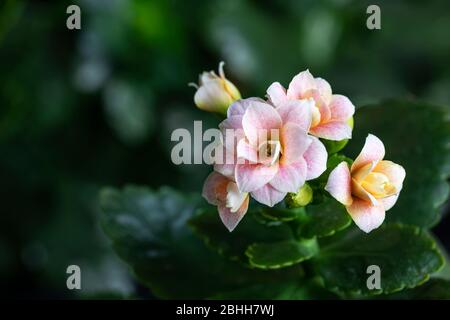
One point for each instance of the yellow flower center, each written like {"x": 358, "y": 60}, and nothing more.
{"x": 378, "y": 185}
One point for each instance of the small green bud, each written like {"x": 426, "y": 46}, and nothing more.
{"x": 351, "y": 122}
{"x": 301, "y": 198}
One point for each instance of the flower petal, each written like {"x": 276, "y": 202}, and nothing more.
{"x": 277, "y": 94}
{"x": 214, "y": 188}
{"x": 227, "y": 170}
{"x": 373, "y": 150}
{"x": 298, "y": 112}
{"x": 247, "y": 151}
{"x": 260, "y": 118}
{"x": 226, "y": 165}
{"x": 341, "y": 108}
{"x": 232, "y": 132}
{"x": 395, "y": 173}
{"x": 339, "y": 184}
{"x": 239, "y": 107}
{"x": 250, "y": 177}
{"x": 361, "y": 173}
{"x": 268, "y": 195}
{"x": 333, "y": 130}
{"x": 316, "y": 158}
{"x": 389, "y": 202}
{"x": 324, "y": 89}
{"x": 366, "y": 216}
{"x": 359, "y": 192}
{"x": 235, "y": 198}
{"x": 232, "y": 122}
{"x": 290, "y": 177}
{"x": 213, "y": 96}
{"x": 294, "y": 141}
{"x": 300, "y": 85}
{"x": 231, "y": 219}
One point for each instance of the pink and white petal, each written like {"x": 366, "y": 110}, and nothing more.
{"x": 316, "y": 159}
{"x": 294, "y": 143}
{"x": 359, "y": 192}
{"x": 239, "y": 107}
{"x": 247, "y": 151}
{"x": 341, "y": 108}
{"x": 232, "y": 132}
{"x": 291, "y": 177}
{"x": 268, "y": 195}
{"x": 232, "y": 219}
{"x": 339, "y": 184}
{"x": 227, "y": 170}
{"x": 298, "y": 112}
{"x": 300, "y": 85}
{"x": 365, "y": 215}
{"x": 324, "y": 89}
{"x": 213, "y": 188}
{"x": 277, "y": 94}
{"x": 373, "y": 150}
{"x": 333, "y": 130}
{"x": 395, "y": 173}
{"x": 232, "y": 122}
{"x": 389, "y": 202}
{"x": 258, "y": 118}
{"x": 250, "y": 177}
{"x": 320, "y": 104}
{"x": 226, "y": 164}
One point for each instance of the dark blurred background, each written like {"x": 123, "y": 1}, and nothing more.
{"x": 81, "y": 109}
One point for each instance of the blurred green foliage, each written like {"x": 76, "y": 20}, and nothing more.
{"x": 80, "y": 109}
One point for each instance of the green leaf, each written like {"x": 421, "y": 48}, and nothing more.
{"x": 406, "y": 256}
{"x": 434, "y": 289}
{"x": 417, "y": 136}
{"x": 234, "y": 244}
{"x": 281, "y": 254}
{"x": 292, "y": 290}
{"x": 323, "y": 219}
{"x": 149, "y": 232}
{"x": 281, "y": 214}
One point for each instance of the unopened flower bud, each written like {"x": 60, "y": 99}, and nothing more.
{"x": 215, "y": 93}
{"x": 301, "y": 198}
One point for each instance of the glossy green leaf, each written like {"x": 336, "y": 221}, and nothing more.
{"x": 417, "y": 136}
{"x": 233, "y": 245}
{"x": 281, "y": 254}
{"x": 434, "y": 289}
{"x": 294, "y": 290}
{"x": 281, "y": 214}
{"x": 406, "y": 256}
{"x": 323, "y": 219}
{"x": 149, "y": 232}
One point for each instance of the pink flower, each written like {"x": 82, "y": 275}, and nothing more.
{"x": 370, "y": 187}
{"x": 222, "y": 192}
{"x": 331, "y": 113}
{"x": 274, "y": 152}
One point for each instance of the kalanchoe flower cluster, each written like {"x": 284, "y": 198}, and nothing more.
{"x": 275, "y": 149}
